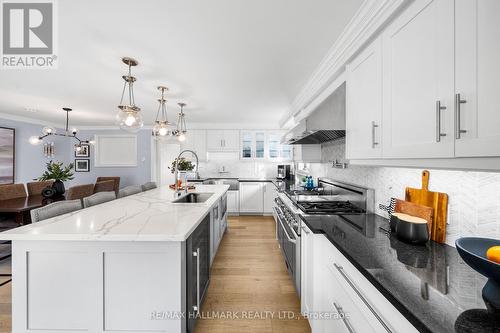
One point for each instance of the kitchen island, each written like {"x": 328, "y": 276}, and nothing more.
{"x": 118, "y": 266}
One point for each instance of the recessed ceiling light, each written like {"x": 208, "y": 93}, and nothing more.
{"x": 30, "y": 109}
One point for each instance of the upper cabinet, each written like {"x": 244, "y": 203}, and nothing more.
{"x": 418, "y": 82}
{"x": 263, "y": 145}
{"x": 223, "y": 140}
{"x": 196, "y": 140}
{"x": 477, "y": 78}
{"x": 364, "y": 104}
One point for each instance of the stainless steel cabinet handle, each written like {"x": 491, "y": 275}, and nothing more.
{"x": 197, "y": 255}
{"x": 305, "y": 230}
{"x": 374, "y": 126}
{"x": 341, "y": 313}
{"x": 458, "y": 102}
{"x": 439, "y": 108}
{"x": 360, "y": 295}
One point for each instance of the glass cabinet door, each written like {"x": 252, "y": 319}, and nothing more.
{"x": 246, "y": 145}
{"x": 260, "y": 143}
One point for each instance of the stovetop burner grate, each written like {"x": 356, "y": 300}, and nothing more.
{"x": 332, "y": 207}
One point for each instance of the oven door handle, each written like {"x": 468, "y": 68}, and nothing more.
{"x": 290, "y": 239}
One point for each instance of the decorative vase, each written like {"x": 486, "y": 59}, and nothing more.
{"x": 59, "y": 187}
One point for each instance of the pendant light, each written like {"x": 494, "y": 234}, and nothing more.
{"x": 69, "y": 133}
{"x": 181, "y": 130}
{"x": 129, "y": 116}
{"x": 162, "y": 127}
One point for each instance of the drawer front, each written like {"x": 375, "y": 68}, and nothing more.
{"x": 363, "y": 292}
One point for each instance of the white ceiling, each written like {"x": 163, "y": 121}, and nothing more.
{"x": 231, "y": 61}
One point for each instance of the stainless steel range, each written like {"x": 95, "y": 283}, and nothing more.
{"x": 349, "y": 202}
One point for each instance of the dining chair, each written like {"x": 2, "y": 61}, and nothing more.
{"x": 12, "y": 191}
{"x": 115, "y": 179}
{"x": 104, "y": 186}
{"x": 129, "y": 190}
{"x": 80, "y": 191}
{"x": 149, "y": 186}
{"x": 55, "y": 209}
{"x": 98, "y": 198}
{"x": 35, "y": 188}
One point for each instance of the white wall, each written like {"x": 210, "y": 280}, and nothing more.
{"x": 474, "y": 197}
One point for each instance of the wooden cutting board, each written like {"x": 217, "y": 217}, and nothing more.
{"x": 436, "y": 200}
{"x": 413, "y": 209}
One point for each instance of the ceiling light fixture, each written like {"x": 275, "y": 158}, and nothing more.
{"x": 162, "y": 127}
{"x": 129, "y": 117}
{"x": 181, "y": 130}
{"x": 48, "y": 130}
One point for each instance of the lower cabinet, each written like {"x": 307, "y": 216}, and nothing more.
{"x": 233, "y": 202}
{"x": 251, "y": 197}
{"x": 332, "y": 285}
{"x": 198, "y": 270}
{"x": 270, "y": 193}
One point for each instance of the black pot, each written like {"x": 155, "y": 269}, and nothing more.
{"x": 59, "y": 187}
{"x": 411, "y": 232}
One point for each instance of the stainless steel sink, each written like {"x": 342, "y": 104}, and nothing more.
{"x": 193, "y": 198}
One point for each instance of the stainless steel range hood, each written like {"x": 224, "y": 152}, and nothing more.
{"x": 326, "y": 123}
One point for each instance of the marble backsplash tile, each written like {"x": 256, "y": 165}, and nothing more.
{"x": 474, "y": 197}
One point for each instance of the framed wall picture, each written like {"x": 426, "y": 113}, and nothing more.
{"x": 84, "y": 152}
{"x": 7, "y": 155}
{"x": 115, "y": 150}
{"x": 82, "y": 165}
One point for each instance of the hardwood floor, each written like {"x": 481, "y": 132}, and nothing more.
{"x": 249, "y": 277}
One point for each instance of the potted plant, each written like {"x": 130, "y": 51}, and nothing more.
{"x": 183, "y": 166}
{"x": 59, "y": 173}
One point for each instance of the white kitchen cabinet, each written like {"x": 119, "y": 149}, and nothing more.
{"x": 251, "y": 197}
{"x": 196, "y": 140}
{"x": 306, "y": 269}
{"x": 352, "y": 292}
{"x": 477, "y": 77}
{"x": 418, "y": 82}
{"x": 233, "y": 202}
{"x": 364, "y": 104}
{"x": 223, "y": 140}
{"x": 270, "y": 193}
{"x": 307, "y": 153}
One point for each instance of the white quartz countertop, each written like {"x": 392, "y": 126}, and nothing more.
{"x": 147, "y": 216}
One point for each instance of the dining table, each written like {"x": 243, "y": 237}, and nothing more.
{"x": 21, "y": 207}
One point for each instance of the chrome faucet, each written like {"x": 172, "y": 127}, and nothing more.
{"x": 177, "y": 192}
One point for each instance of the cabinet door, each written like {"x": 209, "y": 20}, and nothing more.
{"x": 418, "y": 79}
{"x": 251, "y": 198}
{"x": 364, "y": 104}
{"x": 196, "y": 140}
{"x": 270, "y": 193}
{"x": 215, "y": 139}
{"x": 307, "y": 275}
{"x": 477, "y": 78}
{"x": 233, "y": 206}
{"x": 231, "y": 140}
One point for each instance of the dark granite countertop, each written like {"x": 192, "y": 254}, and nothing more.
{"x": 430, "y": 285}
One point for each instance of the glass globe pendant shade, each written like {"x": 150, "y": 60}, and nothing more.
{"x": 181, "y": 137}
{"x": 130, "y": 120}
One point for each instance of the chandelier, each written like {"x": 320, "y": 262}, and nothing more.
{"x": 181, "y": 130}
{"x": 48, "y": 131}
{"x": 162, "y": 127}
{"x": 129, "y": 117}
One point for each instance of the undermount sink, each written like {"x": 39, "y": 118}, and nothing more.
{"x": 193, "y": 198}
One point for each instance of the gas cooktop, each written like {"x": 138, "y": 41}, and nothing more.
{"x": 329, "y": 207}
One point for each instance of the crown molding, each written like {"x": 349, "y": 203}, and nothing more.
{"x": 369, "y": 20}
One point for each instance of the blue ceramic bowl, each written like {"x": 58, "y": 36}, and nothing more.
{"x": 473, "y": 252}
